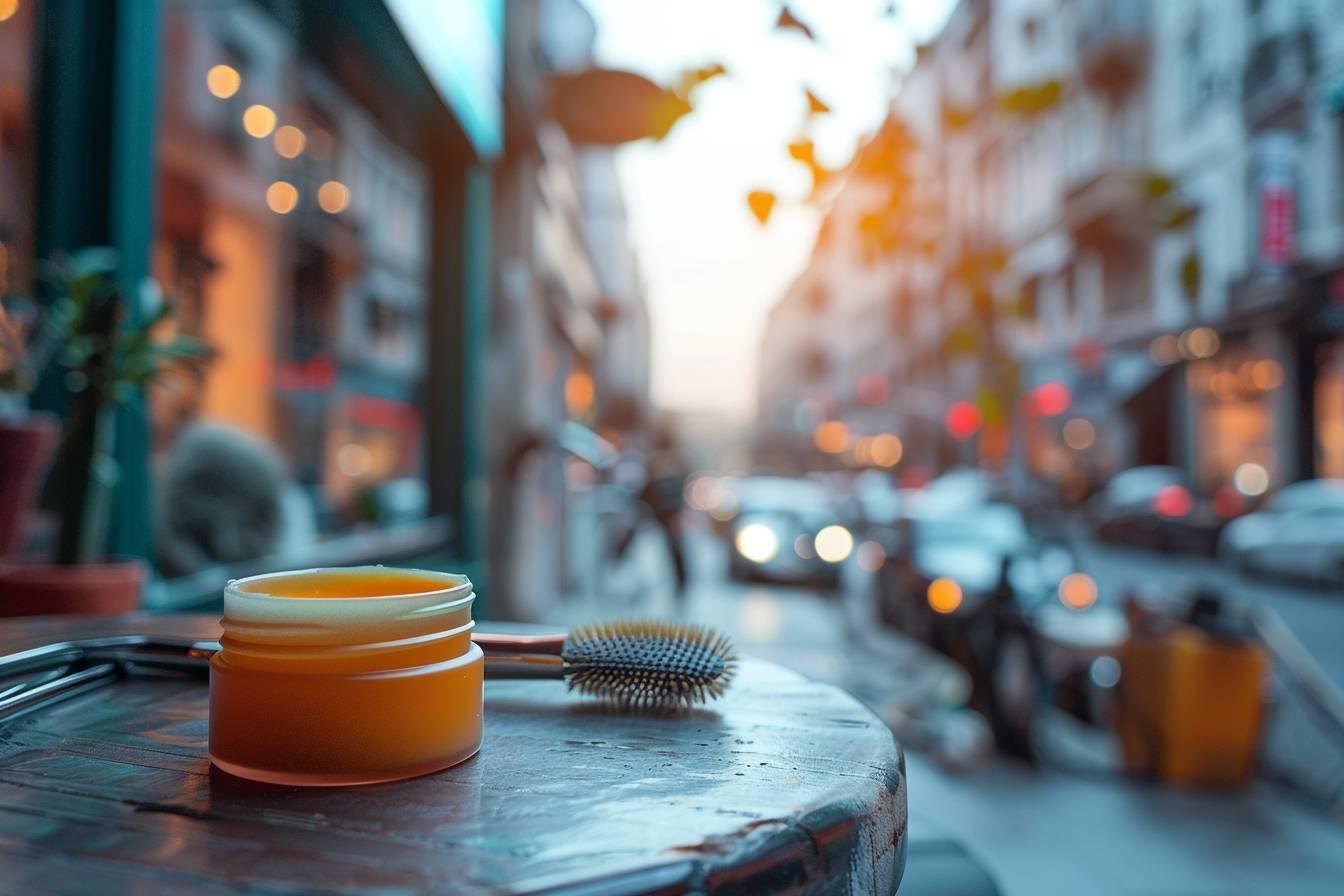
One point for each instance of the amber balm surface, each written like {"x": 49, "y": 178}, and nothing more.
{"x": 334, "y": 677}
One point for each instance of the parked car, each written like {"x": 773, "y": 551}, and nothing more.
{"x": 1157, "y": 507}
{"x": 786, "y": 530}
{"x": 953, "y": 561}
{"x": 1298, "y": 534}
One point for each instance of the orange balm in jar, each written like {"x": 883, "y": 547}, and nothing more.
{"x": 345, "y": 676}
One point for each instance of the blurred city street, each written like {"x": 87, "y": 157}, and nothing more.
{"x": 1036, "y": 830}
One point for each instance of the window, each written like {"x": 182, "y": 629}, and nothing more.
{"x": 293, "y": 233}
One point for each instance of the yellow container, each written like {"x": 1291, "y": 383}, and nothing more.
{"x": 1192, "y": 707}
{"x": 345, "y": 676}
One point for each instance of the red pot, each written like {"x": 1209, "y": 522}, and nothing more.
{"x": 100, "y": 589}
{"x": 25, "y": 450}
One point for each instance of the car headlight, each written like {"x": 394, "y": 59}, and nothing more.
{"x": 757, "y": 542}
{"x": 833, "y": 543}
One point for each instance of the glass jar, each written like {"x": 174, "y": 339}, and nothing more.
{"x": 345, "y": 676}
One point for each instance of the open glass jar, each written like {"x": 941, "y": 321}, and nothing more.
{"x": 345, "y": 676}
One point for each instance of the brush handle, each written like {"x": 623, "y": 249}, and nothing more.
{"x": 506, "y": 642}
{"x": 521, "y": 656}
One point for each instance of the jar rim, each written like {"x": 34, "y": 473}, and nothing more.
{"x": 241, "y": 602}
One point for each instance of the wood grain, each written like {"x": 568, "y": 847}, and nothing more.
{"x": 783, "y": 786}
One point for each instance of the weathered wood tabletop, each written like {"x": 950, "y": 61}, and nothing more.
{"x": 783, "y": 786}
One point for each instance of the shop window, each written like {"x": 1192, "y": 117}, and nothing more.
{"x": 283, "y": 209}
{"x": 1233, "y": 398}
{"x": 16, "y": 145}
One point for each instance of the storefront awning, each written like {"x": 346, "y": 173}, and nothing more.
{"x": 460, "y": 45}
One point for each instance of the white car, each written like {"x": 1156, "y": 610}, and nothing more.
{"x": 1298, "y": 534}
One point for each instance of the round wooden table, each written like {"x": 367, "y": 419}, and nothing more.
{"x": 783, "y": 786}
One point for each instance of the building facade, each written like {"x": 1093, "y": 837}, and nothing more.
{"x": 1139, "y": 210}
{"x": 569, "y": 334}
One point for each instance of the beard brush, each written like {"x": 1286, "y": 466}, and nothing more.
{"x": 633, "y": 664}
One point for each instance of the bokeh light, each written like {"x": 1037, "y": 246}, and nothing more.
{"x": 831, "y": 437}
{"x": 289, "y": 141}
{"x": 886, "y": 450}
{"x": 1251, "y": 479}
{"x": 1201, "y": 342}
{"x": 1173, "y": 501}
{"x": 354, "y": 460}
{"x": 963, "y": 420}
{"x": 944, "y": 595}
{"x": 870, "y": 556}
{"x": 258, "y": 120}
{"x": 333, "y": 197}
{"x": 802, "y": 546}
{"x": 1267, "y": 374}
{"x": 1079, "y": 434}
{"x": 1077, "y": 591}
{"x": 873, "y": 388}
{"x": 222, "y": 80}
{"x": 1164, "y": 350}
{"x": 282, "y": 197}
{"x": 834, "y": 543}
{"x": 757, "y": 542}
{"x": 1051, "y": 399}
{"x": 699, "y": 492}
{"x": 580, "y": 391}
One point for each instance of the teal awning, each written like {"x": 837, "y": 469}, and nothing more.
{"x": 460, "y": 45}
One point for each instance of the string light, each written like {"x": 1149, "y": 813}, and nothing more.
{"x": 258, "y": 120}
{"x": 223, "y": 81}
{"x": 282, "y": 197}
{"x": 333, "y": 197}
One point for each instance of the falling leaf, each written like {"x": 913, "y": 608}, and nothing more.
{"x": 608, "y": 107}
{"x": 762, "y": 203}
{"x": 1180, "y": 217}
{"x": 802, "y": 150}
{"x": 1157, "y": 185}
{"x": 814, "y": 104}
{"x": 955, "y": 118}
{"x": 787, "y": 20}
{"x": 665, "y": 112}
{"x": 695, "y": 77}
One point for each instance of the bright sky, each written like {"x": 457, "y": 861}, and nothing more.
{"x": 713, "y": 272}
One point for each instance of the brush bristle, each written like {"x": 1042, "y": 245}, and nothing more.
{"x": 649, "y": 664}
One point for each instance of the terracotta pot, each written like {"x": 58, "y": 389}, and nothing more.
{"x": 100, "y": 589}
{"x": 25, "y": 449}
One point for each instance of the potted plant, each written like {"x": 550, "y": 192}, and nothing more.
{"x": 102, "y": 346}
